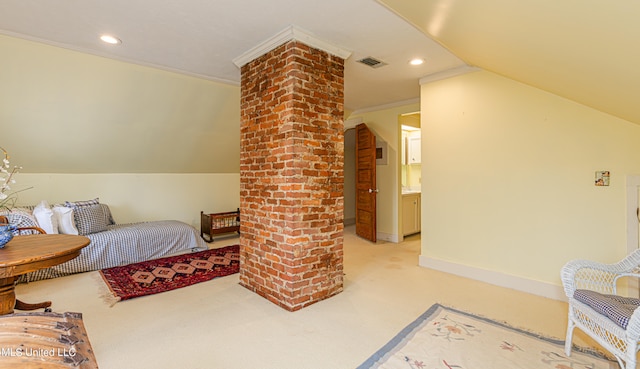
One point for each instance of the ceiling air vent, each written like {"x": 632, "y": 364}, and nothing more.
{"x": 372, "y": 62}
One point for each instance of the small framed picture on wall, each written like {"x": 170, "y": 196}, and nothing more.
{"x": 381, "y": 153}
{"x": 602, "y": 178}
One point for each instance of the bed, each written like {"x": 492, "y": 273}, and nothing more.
{"x": 114, "y": 244}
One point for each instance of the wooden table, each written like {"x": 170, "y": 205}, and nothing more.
{"x": 24, "y": 254}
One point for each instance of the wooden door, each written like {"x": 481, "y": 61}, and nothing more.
{"x": 366, "y": 190}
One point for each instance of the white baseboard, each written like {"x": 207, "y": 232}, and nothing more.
{"x": 387, "y": 237}
{"x": 531, "y": 286}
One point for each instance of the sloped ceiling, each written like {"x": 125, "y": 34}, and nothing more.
{"x": 202, "y": 37}
{"x": 57, "y": 78}
{"x": 583, "y": 50}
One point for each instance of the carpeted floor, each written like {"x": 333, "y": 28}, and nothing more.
{"x": 220, "y": 324}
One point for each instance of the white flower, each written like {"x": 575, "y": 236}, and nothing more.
{"x": 7, "y": 200}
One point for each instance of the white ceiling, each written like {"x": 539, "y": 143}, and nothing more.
{"x": 202, "y": 37}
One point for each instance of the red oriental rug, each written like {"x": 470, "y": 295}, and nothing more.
{"x": 166, "y": 274}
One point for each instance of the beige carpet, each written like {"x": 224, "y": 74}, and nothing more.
{"x": 219, "y": 324}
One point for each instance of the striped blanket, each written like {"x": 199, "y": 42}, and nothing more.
{"x": 123, "y": 244}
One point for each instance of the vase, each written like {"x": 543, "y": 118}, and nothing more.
{"x": 6, "y": 234}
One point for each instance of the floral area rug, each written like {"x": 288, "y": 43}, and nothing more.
{"x": 170, "y": 273}
{"x": 445, "y": 338}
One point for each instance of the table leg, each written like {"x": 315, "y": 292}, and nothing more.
{"x": 8, "y": 301}
{"x": 25, "y": 306}
{"x": 7, "y": 295}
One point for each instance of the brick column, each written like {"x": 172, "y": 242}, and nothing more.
{"x": 291, "y": 175}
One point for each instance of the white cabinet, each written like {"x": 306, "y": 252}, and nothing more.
{"x": 410, "y": 213}
{"x": 414, "y": 149}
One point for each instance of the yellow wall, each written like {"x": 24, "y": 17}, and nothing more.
{"x": 152, "y": 144}
{"x": 138, "y": 197}
{"x": 508, "y": 178}
{"x": 63, "y": 111}
{"x": 415, "y": 175}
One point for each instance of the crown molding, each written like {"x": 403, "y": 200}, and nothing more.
{"x": 286, "y": 35}
{"x": 386, "y": 106}
{"x": 116, "y": 58}
{"x": 457, "y": 71}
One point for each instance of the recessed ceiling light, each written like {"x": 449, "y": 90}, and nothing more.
{"x": 110, "y": 39}
{"x": 416, "y": 61}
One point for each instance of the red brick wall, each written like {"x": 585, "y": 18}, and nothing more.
{"x": 291, "y": 175}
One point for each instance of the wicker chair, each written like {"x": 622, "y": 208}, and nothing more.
{"x": 596, "y": 308}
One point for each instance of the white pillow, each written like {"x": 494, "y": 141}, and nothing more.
{"x": 47, "y": 220}
{"x": 66, "y": 223}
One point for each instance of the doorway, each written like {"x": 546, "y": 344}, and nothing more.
{"x": 387, "y": 128}
{"x": 366, "y": 188}
{"x": 410, "y": 145}
{"x": 633, "y": 226}
{"x": 633, "y": 218}
{"x": 358, "y": 208}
